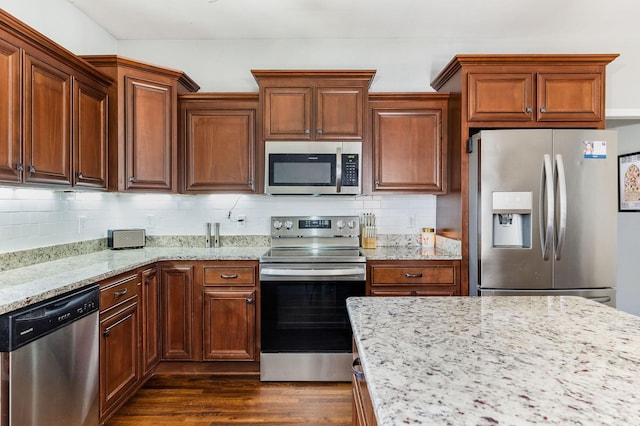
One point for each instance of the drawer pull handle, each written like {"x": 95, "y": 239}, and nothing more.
{"x": 408, "y": 275}
{"x": 357, "y": 371}
{"x": 229, "y": 277}
{"x": 120, "y": 293}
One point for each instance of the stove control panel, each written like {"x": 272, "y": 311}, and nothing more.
{"x": 315, "y": 226}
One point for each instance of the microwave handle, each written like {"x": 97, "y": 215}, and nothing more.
{"x": 338, "y": 170}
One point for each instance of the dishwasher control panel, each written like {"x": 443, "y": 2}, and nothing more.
{"x": 25, "y": 325}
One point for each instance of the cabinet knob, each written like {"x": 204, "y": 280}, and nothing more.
{"x": 132, "y": 179}
{"x": 528, "y": 109}
{"x": 19, "y": 167}
{"x": 80, "y": 175}
{"x": 543, "y": 109}
{"x": 319, "y": 131}
{"x": 32, "y": 168}
{"x": 377, "y": 182}
{"x": 249, "y": 300}
{"x": 306, "y": 131}
{"x": 106, "y": 333}
{"x": 147, "y": 281}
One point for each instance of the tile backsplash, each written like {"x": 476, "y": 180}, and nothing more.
{"x": 32, "y": 218}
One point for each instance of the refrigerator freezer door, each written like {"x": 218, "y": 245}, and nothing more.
{"x": 513, "y": 161}
{"x": 587, "y": 258}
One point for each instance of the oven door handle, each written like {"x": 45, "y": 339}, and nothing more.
{"x": 335, "y": 272}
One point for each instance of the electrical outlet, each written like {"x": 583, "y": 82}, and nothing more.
{"x": 412, "y": 222}
{"x": 82, "y": 224}
{"x": 151, "y": 221}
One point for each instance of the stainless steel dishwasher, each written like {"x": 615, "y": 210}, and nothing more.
{"x": 50, "y": 352}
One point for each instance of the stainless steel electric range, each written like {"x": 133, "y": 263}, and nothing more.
{"x": 313, "y": 266}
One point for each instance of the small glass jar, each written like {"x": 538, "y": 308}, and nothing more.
{"x": 428, "y": 237}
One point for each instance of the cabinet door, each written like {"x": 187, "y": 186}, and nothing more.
{"x": 229, "y": 325}
{"x": 150, "y": 320}
{"x": 501, "y": 97}
{"x": 220, "y": 150}
{"x": 151, "y": 160}
{"x": 407, "y": 150}
{"x": 47, "y": 136}
{"x": 288, "y": 113}
{"x": 339, "y": 113}
{"x": 570, "y": 97}
{"x": 119, "y": 367}
{"x": 177, "y": 312}
{"x": 90, "y": 136}
{"x": 10, "y": 112}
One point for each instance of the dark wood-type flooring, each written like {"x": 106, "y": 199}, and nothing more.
{"x": 213, "y": 400}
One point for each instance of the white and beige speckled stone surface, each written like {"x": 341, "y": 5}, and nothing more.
{"x": 498, "y": 360}
{"x": 23, "y": 286}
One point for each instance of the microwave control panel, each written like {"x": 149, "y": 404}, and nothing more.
{"x": 350, "y": 169}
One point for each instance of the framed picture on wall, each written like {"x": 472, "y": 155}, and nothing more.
{"x": 629, "y": 182}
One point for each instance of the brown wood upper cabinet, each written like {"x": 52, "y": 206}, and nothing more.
{"x": 531, "y": 90}
{"x": 143, "y": 124}
{"x": 217, "y": 133}
{"x": 53, "y": 112}
{"x": 409, "y": 141}
{"x": 313, "y": 105}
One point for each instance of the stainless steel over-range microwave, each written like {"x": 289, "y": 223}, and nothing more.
{"x": 313, "y": 168}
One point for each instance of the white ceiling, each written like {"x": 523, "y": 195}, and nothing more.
{"x": 433, "y": 19}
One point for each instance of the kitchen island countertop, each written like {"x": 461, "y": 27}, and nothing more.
{"x": 498, "y": 360}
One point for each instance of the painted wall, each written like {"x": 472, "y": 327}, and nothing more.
{"x": 64, "y": 24}
{"x": 628, "y": 297}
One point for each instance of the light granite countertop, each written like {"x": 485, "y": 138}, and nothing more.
{"x": 30, "y": 284}
{"x": 409, "y": 253}
{"x": 23, "y": 286}
{"x": 556, "y": 360}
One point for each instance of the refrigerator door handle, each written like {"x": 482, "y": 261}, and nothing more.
{"x": 562, "y": 212}
{"x": 547, "y": 200}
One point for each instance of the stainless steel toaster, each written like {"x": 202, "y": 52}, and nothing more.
{"x": 125, "y": 238}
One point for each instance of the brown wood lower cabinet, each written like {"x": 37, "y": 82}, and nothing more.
{"x": 230, "y": 300}
{"x": 120, "y": 371}
{"x": 363, "y": 413}
{"x": 413, "y": 278}
{"x": 177, "y": 310}
{"x": 229, "y": 324}
{"x": 150, "y": 325}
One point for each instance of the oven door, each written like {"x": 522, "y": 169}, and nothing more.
{"x": 305, "y": 328}
{"x": 307, "y": 316}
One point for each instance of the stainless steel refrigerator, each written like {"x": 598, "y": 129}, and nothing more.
{"x": 543, "y": 213}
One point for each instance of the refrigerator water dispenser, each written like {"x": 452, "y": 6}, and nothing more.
{"x": 512, "y": 219}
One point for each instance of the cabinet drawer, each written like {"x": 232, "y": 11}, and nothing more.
{"x": 412, "y": 275}
{"x": 119, "y": 290}
{"x": 229, "y": 275}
